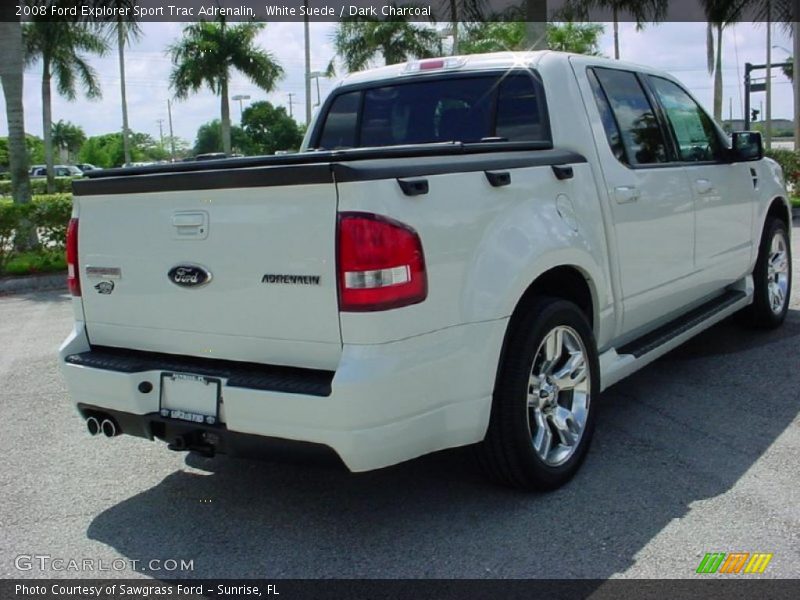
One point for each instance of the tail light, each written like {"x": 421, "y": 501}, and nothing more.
{"x": 73, "y": 269}
{"x": 380, "y": 264}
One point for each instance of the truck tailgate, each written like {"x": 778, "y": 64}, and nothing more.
{"x": 245, "y": 273}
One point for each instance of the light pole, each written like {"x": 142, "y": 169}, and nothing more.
{"x": 316, "y": 75}
{"x": 240, "y": 98}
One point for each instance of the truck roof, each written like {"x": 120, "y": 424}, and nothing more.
{"x": 478, "y": 62}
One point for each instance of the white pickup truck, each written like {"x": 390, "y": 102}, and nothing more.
{"x": 468, "y": 250}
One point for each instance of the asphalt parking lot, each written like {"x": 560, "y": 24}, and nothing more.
{"x": 696, "y": 453}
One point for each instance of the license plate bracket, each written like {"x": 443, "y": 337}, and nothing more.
{"x": 190, "y": 397}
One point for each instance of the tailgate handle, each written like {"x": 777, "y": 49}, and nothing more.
{"x": 413, "y": 187}
{"x": 190, "y": 225}
{"x": 563, "y": 172}
{"x": 188, "y": 219}
{"x": 498, "y": 178}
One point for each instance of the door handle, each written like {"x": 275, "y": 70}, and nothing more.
{"x": 498, "y": 178}
{"x": 413, "y": 187}
{"x": 625, "y": 194}
{"x": 703, "y": 186}
{"x": 562, "y": 172}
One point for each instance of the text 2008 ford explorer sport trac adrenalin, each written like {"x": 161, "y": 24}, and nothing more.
{"x": 468, "y": 251}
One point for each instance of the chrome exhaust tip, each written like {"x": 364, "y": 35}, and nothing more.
{"x": 93, "y": 426}
{"x": 109, "y": 428}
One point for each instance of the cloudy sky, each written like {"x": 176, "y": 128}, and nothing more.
{"x": 675, "y": 47}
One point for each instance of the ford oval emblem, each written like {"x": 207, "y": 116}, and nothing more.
{"x": 189, "y": 275}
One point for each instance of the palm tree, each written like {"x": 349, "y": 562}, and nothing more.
{"x": 68, "y": 138}
{"x": 126, "y": 32}
{"x": 581, "y": 38}
{"x": 358, "y": 42}
{"x": 11, "y": 69}
{"x": 720, "y": 14}
{"x": 639, "y": 11}
{"x": 58, "y": 45}
{"x": 205, "y": 56}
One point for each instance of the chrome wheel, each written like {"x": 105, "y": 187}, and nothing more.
{"x": 559, "y": 392}
{"x": 778, "y": 273}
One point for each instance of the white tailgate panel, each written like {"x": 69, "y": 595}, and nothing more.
{"x": 251, "y": 232}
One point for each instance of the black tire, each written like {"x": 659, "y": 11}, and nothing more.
{"x": 507, "y": 453}
{"x": 760, "y": 313}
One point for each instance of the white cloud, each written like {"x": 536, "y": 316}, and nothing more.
{"x": 675, "y": 47}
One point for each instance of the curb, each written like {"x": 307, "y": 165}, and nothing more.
{"x": 33, "y": 283}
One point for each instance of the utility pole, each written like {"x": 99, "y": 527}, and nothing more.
{"x": 308, "y": 64}
{"x": 291, "y": 102}
{"x": 171, "y": 134}
{"x": 161, "y": 131}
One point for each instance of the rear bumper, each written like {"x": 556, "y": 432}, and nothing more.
{"x": 387, "y": 402}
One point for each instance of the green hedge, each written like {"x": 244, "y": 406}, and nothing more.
{"x": 49, "y": 214}
{"x": 39, "y": 186}
{"x": 789, "y": 160}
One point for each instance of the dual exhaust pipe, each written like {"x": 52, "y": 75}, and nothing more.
{"x": 97, "y": 424}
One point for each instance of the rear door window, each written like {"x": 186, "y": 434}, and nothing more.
{"x": 610, "y": 126}
{"x": 639, "y": 128}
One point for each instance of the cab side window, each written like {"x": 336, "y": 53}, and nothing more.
{"x": 696, "y": 137}
{"x": 340, "y": 124}
{"x": 638, "y": 126}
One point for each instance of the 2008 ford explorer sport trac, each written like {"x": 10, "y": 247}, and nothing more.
{"x": 468, "y": 250}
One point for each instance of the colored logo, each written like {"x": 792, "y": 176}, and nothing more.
{"x": 734, "y": 562}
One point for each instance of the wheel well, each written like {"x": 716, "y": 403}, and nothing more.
{"x": 779, "y": 210}
{"x": 565, "y": 282}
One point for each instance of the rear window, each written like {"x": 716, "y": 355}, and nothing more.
{"x": 466, "y": 109}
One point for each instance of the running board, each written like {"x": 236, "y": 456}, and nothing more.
{"x": 618, "y": 363}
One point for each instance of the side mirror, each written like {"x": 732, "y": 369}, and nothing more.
{"x": 746, "y": 146}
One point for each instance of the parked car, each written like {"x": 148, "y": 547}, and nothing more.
{"x": 85, "y": 167}
{"x": 58, "y": 171}
{"x": 468, "y": 250}
{"x": 211, "y": 156}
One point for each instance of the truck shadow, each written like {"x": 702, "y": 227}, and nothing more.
{"x": 682, "y": 430}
